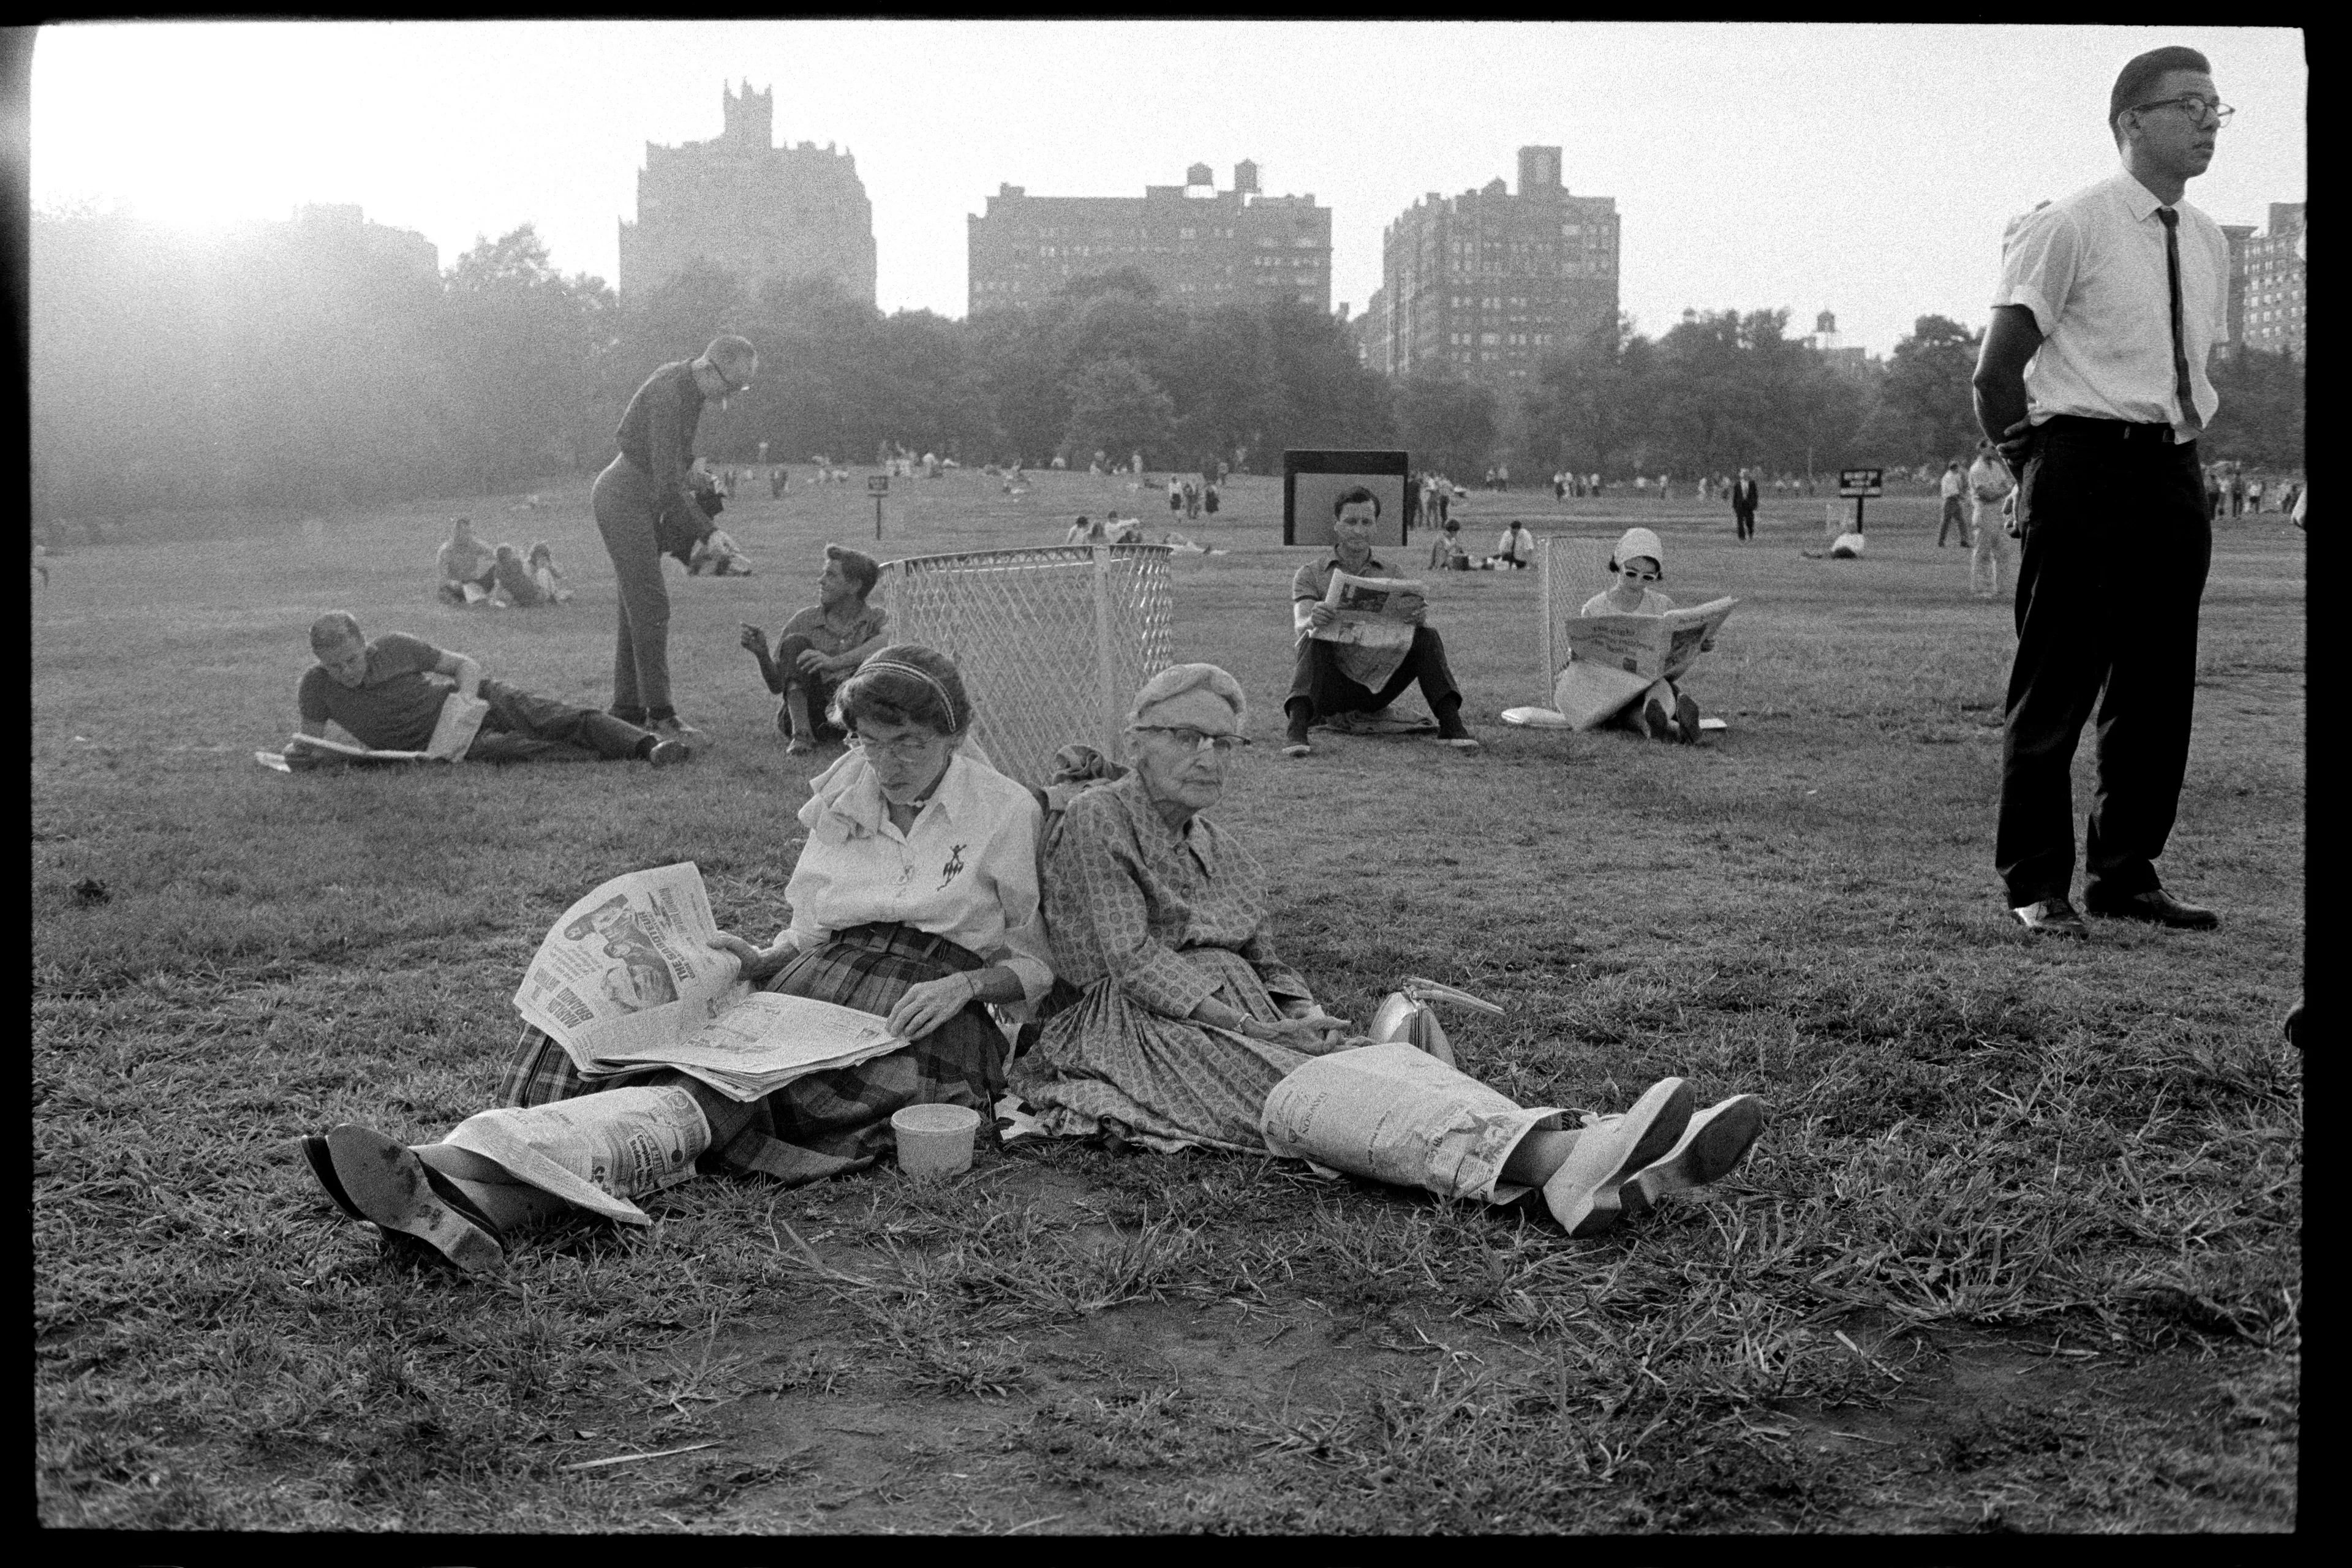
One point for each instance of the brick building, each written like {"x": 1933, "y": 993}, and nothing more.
{"x": 2267, "y": 291}
{"x": 1201, "y": 246}
{"x": 749, "y": 207}
{"x": 1490, "y": 283}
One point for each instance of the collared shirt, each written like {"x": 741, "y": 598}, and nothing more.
{"x": 1953, "y": 483}
{"x": 2091, "y": 267}
{"x": 396, "y": 703}
{"x": 657, "y": 430}
{"x": 1988, "y": 478}
{"x": 1368, "y": 665}
{"x": 966, "y": 869}
{"x": 1130, "y": 895}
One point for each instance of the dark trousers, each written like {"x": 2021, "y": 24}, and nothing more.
{"x": 1956, "y": 518}
{"x": 521, "y": 727}
{"x": 1743, "y": 522}
{"x": 1316, "y": 680}
{"x": 628, "y": 508}
{"x": 2117, "y": 544}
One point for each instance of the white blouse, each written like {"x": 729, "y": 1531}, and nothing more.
{"x": 966, "y": 870}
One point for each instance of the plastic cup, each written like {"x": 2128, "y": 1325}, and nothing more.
{"x": 934, "y": 1140}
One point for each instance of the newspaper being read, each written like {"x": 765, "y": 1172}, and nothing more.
{"x": 1614, "y": 658}
{"x": 453, "y": 734}
{"x": 627, "y": 979}
{"x": 1368, "y": 611}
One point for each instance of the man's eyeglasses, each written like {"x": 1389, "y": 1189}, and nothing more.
{"x": 2196, "y": 108}
{"x": 906, "y": 748}
{"x": 727, "y": 380}
{"x": 1197, "y": 739}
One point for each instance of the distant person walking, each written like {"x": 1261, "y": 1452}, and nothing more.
{"x": 644, "y": 485}
{"x": 1744, "y": 497}
{"x": 1953, "y": 487}
{"x": 2093, "y": 381}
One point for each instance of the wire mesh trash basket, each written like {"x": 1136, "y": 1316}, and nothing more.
{"x": 1567, "y": 573}
{"x": 1053, "y": 642}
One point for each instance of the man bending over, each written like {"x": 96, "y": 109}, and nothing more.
{"x": 385, "y": 693}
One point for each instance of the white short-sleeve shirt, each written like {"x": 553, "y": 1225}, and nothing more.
{"x": 2091, "y": 267}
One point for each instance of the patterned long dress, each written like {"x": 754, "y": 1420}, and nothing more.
{"x": 1149, "y": 921}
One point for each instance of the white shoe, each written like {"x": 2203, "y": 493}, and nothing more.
{"x": 1716, "y": 1139}
{"x": 385, "y": 1181}
{"x": 1583, "y": 1195}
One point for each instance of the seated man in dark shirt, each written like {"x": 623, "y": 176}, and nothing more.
{"x": 384, "y": 694}
{"x": 1334, "y": 678}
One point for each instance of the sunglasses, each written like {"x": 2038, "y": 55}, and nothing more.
{"x": 1631, "y": 575}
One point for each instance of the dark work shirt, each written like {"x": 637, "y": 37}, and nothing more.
{"x": 394, "y": 706}
{"x": 656, "y": 431}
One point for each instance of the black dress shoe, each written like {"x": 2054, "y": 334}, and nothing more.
{"x": 2051, "y": 917}
{"x": 2155, "y": 905}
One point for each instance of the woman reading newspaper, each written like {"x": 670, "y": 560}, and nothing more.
{"x": 1190, "y": 1030}
{"x": 1666, "y": 712}
{"x": 915, "y": 899}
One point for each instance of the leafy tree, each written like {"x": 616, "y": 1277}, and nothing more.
{"x": 1925, "y": 413}
{"x": 2262, "y": 415}
{"x": 1117, "y": 406}
{"x": 1447, "y": 423}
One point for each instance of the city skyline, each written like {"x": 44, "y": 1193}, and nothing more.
{"x": 1868, "y": 170}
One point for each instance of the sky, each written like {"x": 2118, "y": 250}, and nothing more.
{"x": 1864, "y": 169}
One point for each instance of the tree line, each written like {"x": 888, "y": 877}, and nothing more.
{"x": 301, "y": 366}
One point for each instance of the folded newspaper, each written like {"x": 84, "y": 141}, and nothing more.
{"x": 453, "y": 734}
{"x": 1368, "y": 612}
{"x": 1614, "y": 658}
{"x": 627, "y": 979}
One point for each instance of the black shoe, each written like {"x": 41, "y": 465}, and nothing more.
{"x": 2051, "y": 917}
{"x": 1295, "y": 742}
{"x": 2156, "y": 906}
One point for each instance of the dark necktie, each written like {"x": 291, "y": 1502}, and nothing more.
{"x": 2171, "y": 221}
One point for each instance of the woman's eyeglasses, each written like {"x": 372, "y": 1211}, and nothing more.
{"x": 906, "y": 748}
{"x": 1197, "y": 739}
{"x": 1633, "y": 576}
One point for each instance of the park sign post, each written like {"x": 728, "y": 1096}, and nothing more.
{"x": 878, "y": 486}
{"x": 1860, "y": 483}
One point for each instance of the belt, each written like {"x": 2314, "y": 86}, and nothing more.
{"x": 2160, "y": 433}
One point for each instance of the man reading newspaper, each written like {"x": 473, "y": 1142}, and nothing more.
{"x": 404, "y": 700}
{"x": 1360, "y": 645}
{"x": 1629, "y": 646}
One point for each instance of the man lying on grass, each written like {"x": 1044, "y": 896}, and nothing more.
{"x": 388, "y": 694}
{"x": 1189, "y": 1029}
{"x": 915, "y": 898}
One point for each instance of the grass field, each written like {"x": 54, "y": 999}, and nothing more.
{"x": 2019, "y": 1249}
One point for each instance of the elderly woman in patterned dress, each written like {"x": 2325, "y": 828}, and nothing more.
{"x": 915, "y": 899}
{"x": 1187, "y": 1019}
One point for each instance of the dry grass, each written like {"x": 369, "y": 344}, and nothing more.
{"x": 2019, "y": 1249}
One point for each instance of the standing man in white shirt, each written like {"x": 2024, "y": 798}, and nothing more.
{"x": 2093, "y": 383}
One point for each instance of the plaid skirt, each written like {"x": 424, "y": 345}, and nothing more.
{"x": 827, "y": 1124}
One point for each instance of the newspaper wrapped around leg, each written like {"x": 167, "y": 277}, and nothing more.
{"x": 1397, "y": 1114}
{"x": 598, "y": 1151}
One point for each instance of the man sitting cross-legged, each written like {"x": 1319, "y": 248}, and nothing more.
{"x": 821, "y": 646}
{"x": 384, "y": 694}
{"x": 1332, "y": 679}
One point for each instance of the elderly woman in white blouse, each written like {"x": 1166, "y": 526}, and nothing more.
{"x": 915, "y": 898}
